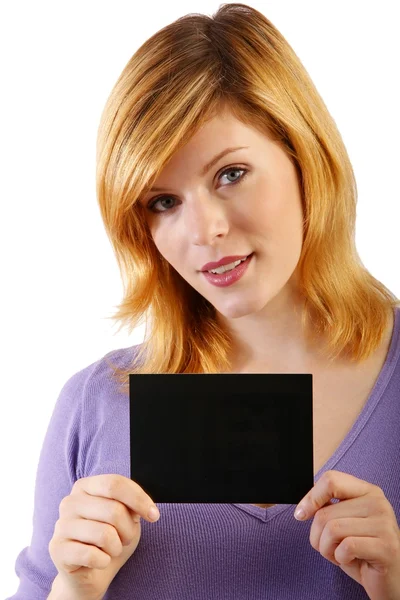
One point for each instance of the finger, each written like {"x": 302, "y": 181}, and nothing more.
{"x": 75, "y": 555}
{"x": 335, "y": 484}
{"x": 96, "y": 508}
{"x": 101, "y": 535}
{"x": 372, "y": 550}
{"x": 337, "y": 530}
{"x": 119, "y": 488}
{"x": 374, "y": 510}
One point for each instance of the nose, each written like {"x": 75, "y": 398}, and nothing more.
{"x": 205, "y": 218}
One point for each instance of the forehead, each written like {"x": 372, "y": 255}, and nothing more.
{"x": 219, "y": 133}
{"x": 224, "y": 129}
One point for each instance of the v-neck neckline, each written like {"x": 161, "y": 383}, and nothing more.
{"x": 266, "y": 514}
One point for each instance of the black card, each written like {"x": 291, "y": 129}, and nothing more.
{"x": 241, "y": 438}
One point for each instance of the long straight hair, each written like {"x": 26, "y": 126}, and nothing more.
{"x": 175, "y": 82}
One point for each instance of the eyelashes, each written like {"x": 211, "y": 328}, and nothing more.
{"x": 154, "y": 201}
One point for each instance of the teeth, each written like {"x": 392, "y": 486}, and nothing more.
{"x": 228, "y": 267}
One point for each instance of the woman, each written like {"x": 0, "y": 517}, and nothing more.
{"x": 202, "y": 101}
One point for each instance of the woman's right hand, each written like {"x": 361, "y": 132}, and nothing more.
{"x": 98, "y": 530}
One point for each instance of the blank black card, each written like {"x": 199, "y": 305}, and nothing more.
{"x": 222, "y": 438}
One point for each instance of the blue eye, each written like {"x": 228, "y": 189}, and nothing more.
{"x": 153, "y": 202}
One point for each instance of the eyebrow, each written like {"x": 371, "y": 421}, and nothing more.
{"x": 208, "y": 166}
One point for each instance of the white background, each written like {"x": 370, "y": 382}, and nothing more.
{"x": 59, "y": 62}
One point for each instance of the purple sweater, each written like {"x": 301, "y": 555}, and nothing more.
{"x": 203, "y": 551}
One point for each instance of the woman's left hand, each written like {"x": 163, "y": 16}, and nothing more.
{"x": 359, "y": 534}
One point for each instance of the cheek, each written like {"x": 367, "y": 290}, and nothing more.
{"x": 278, "y": 225}
{"x": 281, "y": 214}
{"x": 289, "y": 238}
{"x": 165, "y": 247}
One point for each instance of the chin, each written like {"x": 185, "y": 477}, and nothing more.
{"x": 237, "y": 310}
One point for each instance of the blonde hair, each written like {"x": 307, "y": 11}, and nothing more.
{"x": 176, "y": 81}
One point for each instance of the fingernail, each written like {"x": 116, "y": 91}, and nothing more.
{"x": 153, "y": 513}
{"x": 299, "y": 513}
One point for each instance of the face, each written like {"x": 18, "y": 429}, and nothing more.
{"x": 248, "y": 202}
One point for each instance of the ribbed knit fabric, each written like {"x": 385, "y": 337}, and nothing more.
{"x": 203, "y": 551}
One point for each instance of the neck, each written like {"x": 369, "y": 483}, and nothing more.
{"x": 272, "y": 338}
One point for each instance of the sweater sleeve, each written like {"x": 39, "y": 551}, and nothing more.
{"x": 58, "y": 468}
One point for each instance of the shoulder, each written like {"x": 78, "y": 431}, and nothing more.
{"x": 98, "y": 374}
{"x": 94, "y": 415}
{"x": 92, "y": 392}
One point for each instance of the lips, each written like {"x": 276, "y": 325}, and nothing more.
{"x": 224, "y": 261}
{"x": 230, "y": 277}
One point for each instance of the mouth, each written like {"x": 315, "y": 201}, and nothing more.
{"x": 231, "y": 266}
{"x": 231, "y": 276}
